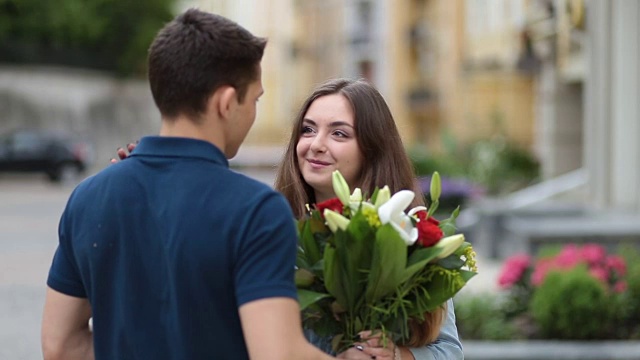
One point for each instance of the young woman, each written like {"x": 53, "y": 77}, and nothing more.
{"x": 346, "y": 125}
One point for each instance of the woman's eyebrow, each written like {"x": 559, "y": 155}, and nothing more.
{"x": 331, "y": 124}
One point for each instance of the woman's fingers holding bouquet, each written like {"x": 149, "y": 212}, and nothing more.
{"x": 355, "y": 353}
{"x": 376, "y": 347}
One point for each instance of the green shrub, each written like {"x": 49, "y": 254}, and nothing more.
{"x": 632, "y": 295}
{"x": 573, "y": 305}
{"x": 479, "y": 317}
{"x": 496, "y": 164}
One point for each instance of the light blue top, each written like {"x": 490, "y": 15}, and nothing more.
{"x": 446, "y": 347}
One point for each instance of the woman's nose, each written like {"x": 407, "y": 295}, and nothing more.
{"x": 318, "y": 144}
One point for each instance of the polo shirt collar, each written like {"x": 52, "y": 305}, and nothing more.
{"x": 165, "y": 146}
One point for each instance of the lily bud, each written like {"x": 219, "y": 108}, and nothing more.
{"x": 356, "y": 196}
{"x": 384, "y": 195}
{"x": 335, "y": 220}
{"x": 340, "y": 187}
{"x": 449, "y": 245}
{"x": 304, "y": 278}
{"x": 436, "y": 186}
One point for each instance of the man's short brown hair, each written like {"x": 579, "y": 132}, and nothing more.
{"x": 194, "y": 55}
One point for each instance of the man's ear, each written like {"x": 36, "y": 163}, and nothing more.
{"x": 223, "y": 100}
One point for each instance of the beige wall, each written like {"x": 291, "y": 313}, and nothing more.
{"x": 497, "y": 103}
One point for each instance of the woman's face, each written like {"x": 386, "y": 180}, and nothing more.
{"x": 328, "y": 142}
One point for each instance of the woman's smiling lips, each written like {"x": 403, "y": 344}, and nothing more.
{"x": 317, "y": 164}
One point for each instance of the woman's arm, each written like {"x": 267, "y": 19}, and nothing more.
{"x": 447, "y": 345}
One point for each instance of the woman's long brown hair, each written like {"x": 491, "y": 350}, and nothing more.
{"x": 385, "y": 163}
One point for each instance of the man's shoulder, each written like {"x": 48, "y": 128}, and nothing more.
{"x": 253, "y": 190}
{"x": 245, "y": 182}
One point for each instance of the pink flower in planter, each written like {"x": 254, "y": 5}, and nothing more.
{"x": 569, "y": 257}
{"x": 620, "y": 287}
{"x": 600, "y": 273}
{"x": 543, "y": 266}
{"x": 593, "y": 254}
{"x": 513, "y": 269}
{"x": 617, "y": 265}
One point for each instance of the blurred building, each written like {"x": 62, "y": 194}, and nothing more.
{"x": 444, "y": 67}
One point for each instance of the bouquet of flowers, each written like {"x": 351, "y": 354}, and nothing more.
{"x": 368, "y": 265}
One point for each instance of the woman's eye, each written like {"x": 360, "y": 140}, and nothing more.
{"x": 340, "y": 133}
{"x": 307, "y": 129}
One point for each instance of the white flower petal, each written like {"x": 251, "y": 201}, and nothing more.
{"x": 416, "y": 210}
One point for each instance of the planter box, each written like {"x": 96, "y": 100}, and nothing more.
{"x": 551, "y": 350}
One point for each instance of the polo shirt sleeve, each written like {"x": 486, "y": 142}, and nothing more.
{"x": 264, "y": 265}
{"x": 64, "y": 275}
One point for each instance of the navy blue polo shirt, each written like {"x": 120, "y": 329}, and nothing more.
{"x": 166, "y": 245}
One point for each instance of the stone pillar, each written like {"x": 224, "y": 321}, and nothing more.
{"x": 560, "y": 123}
{"x": 611, "y": 106}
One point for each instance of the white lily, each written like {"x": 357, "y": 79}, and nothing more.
{"x": 340, "y": 187}
{"x": 383, "y": 196}
{"x": 335, "y": 220}
{"x": 449, "y": 245}
{"x": 392, "y": 212}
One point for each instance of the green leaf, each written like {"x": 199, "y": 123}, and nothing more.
{"x": 333, "y": 279}
{"x": 444, "y": 289}
{"x": 374, "y": 196}
{"x": 301, "y": 260}
{"x": 388, "y": 264}
{"x": 451, "y": 262}
{"x": 353, "y": 253}
{"x": 418, "y": 260}
{"x": 308, "y": 243}
{"x": 467, "y": 275}
{"x": 307, "y": 298}
{"x": 448, "y": 226}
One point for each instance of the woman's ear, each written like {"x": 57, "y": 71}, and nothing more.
{"x": 223, "y": 100}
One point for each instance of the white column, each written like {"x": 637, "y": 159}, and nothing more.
{"x": 612, "y": 110}
{"x": 625, "y": 112}
{"x": 597, "y": 104}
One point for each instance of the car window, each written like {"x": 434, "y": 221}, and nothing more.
{"x": 26, "y": 141}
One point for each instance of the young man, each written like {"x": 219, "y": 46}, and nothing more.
{"x": 173, "y": 255}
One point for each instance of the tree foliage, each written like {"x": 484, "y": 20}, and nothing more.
{"x": 104, "y": 34}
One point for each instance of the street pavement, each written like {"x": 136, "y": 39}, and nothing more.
{"x": 30, "y": 208}
{"x": 29, "y": 211}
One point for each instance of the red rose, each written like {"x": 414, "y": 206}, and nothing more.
{"x": 428, "y": 231}
{"x": 332, "y": 204}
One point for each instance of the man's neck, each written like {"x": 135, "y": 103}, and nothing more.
{"x": 186, "y": 128}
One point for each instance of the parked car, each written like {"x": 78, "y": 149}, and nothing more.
{"x": 60, "y": 155}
